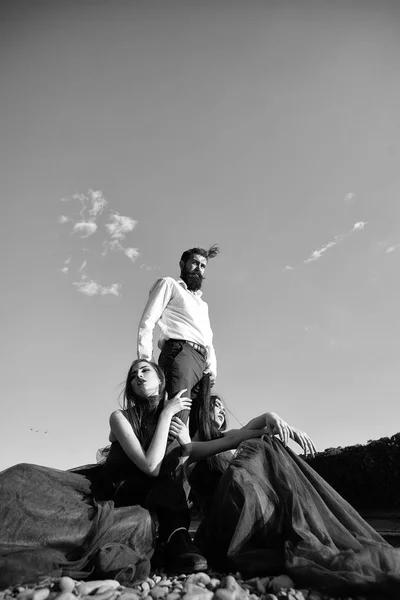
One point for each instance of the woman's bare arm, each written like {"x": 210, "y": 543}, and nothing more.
{"x": 148, "y": 461}
{"x": 229, "y": 441}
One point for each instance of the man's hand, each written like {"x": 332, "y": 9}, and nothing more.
{"x": 179, "y": 431}
{"x": 213, "y": 377}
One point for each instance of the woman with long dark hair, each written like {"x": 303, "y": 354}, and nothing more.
{"x": 98, "y": 519}
{"x": 266, "y": 512}
{"x": 133, "y": 474}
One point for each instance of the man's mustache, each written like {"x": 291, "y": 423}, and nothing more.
{"x": 197, "y": 276}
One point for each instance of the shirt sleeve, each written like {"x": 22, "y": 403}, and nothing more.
{"x": 159, "y": 296}
{"x": 211, "y": 363}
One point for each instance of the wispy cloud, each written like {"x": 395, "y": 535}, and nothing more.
{"x": 391, "y": 249}
{"x": 85, "y": 228}
{"x": 150, "y": 267}
{"x": 288, "y": 268}
{"x": 110, "y": 245}
{"x": 91, "y": 218}
{"x": 98, "y": 202}
{"x": 114, "y": 245}
{"x": 65, "y": 267}
{"x": 119, "y": 226}
{"x": 317, "y": 254}
{"x": 131, "y": 253}
{"x": 113, "y": 289}
{"x": 349, "y": 197}
{"x": 89, "y": 287}
{"x": 358, "y": 226}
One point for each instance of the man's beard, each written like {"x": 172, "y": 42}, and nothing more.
{"x": 192, "y": 280}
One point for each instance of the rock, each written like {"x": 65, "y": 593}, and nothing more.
{"x": 261, "y": 585}
{"x": 193, "y": 588}
{"x": 200, "y": 578}
{"x": 198, "y": 593}
{"x": 230, "y": 583}
{"x": 224, "y": 594}
{"x": 178, "y": 585}
{"x": 281, "y": 581}
{"x": 270, "y": 597}
{"x": 24, "y": 594}
{"x": 145, "y": 587}
{"x": 129, "y": 595}
{"x": 104, "y": 588}
{"x": 173, "y": 596}
{"x": 214, "y": 583}
{"x": 66, "y": 584}
{"x": 290, "y": 594}
{"x": 41, "y": 594}
{"x": 159, "y": 591}
{"x": 108, "y": 594}
{"x": 88, "y": 587}
{"x": 66, "y": 596}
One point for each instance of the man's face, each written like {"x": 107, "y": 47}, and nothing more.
{"x": 192, "y": 271}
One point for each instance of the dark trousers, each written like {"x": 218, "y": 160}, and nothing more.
{"x": 162, "y": 495}
{"x": 183, "y": 367}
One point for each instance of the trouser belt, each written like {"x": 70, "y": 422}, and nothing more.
{"x": 198, "y": 347}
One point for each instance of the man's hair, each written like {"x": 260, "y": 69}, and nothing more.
{"x": 210, "y": 253}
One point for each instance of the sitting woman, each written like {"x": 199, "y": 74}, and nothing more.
{"x": 95, "y": 519}
{"x": 267, "y": 512}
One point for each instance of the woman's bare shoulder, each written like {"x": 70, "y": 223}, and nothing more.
{"x": 118, "y": 414}
{"x": 116, "y": 417}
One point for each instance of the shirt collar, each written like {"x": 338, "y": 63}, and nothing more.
{"x": 199, "y": 293}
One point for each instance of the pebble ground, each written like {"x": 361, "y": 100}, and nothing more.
{"x": 197, "y": 586}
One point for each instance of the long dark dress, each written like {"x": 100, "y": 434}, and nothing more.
{"x": 272, "y": 513}
{"x": 123, "y": 482}
{"x": 91, "y": 520}
{"x": 52, "y": 525}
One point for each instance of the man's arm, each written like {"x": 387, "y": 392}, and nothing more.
{"x": 159, "y": 296}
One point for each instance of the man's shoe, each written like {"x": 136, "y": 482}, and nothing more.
{"x": 182, "y": 556}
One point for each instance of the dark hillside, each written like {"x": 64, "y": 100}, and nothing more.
{"x": 367, "y": 476}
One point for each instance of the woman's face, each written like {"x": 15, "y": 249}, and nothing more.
{"x": 144, "y": 380}
{"x": 218, "y": 413}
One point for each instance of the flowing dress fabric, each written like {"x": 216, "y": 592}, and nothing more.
{"x": 271, "y": 513}
{"x": 118, "y": 478}
{"x": 51, "y": 525}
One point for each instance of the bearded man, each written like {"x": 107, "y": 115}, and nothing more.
{"x": 186, "y": 342}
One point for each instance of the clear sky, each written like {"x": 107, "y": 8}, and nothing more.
{"x": 133, "y": 129}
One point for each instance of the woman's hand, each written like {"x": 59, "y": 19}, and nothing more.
{"x": 304, "y": 441}
{"x": 179, "y": 431}
{"x": 277, "y": 426}
{"x": 176, "y": 404}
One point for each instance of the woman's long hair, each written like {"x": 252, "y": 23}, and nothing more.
{"x": 203, "y": 422}
{"x": 139, "y": 410}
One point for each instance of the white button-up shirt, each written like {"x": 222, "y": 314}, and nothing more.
{"x": 181, "y": 315}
